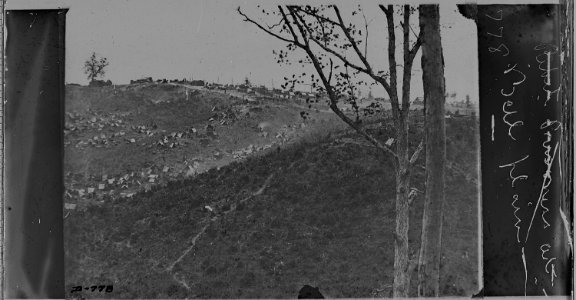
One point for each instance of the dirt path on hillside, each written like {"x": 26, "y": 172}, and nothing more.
{"x": 209, "y": 220}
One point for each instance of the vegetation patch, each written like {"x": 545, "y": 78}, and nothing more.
{"x": 324, "y": 217}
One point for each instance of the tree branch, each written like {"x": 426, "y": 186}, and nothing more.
{"x": 331, "y": 69}
{"x": 363, "y": 132}
{"x": 367, "y": 69}
{"x": 351, "y": 40}
{"x": 277, "y": 24}
{"x": 376, "y": 78}
{"x": 407, "y": 70}
{"x": 416, "y": 47}
{"x": 315, "y": 15}
{"x": 294, "y": 35}
{"x": 409, "y": 55}
{"x": 366, "y": 40}
{"x": 302, "y": 23}
{"x": 413, "y": 32}
{"x": 418, "y": 37}
{"x": 323, "y": 30}
{"x": 416, "y": 153}
{"x": 339, "y": 56}
{"x": 305, "y": 45}
{"x": 386, "y": 10}
{"x": 295, "y": 21}
{"x": 352, "y": 96}
{"x": 393, "y": 92}
{"x": 247, "y": 19}
{"x": 334, "y": 107}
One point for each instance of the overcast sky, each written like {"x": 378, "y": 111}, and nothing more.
{"x": 207, "y": 39}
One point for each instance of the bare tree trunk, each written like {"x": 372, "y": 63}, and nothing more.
{"x": 401, "y": 260}
{"x": 300, "y": 30}
{"x": 435, "y": 132}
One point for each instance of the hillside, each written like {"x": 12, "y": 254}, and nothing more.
{"x": 317, "y": 210}
{"x": 119, "y": 141}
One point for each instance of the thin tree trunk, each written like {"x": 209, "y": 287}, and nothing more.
{"x": 435, "y": 132}
{"x": 302, "y": 38}
{"x": 401, "y": 260}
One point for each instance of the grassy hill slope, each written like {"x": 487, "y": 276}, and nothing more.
{"x": 116, "y": 138}
{"x": 319, "y": 212}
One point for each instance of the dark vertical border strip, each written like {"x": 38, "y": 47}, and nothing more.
{"x": 525, "y": 245}
{"x": 33, "y": 178}
{"x": 567, "y": 96}
{"x": 2, "y": 164}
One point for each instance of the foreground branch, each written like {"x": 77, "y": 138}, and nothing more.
{"x": 247, "y": 19}
{"x": 416, "y": 153}
{"x": 363, "y": 132}
{"x": 393, "y": 92}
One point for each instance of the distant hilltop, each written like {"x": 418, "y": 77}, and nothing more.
{"x": 258, "y": 91}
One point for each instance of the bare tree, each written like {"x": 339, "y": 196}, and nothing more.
{"x": 94, "y": 66}
{"x": 334, "y": 48}
{"x": 435, "y": 134}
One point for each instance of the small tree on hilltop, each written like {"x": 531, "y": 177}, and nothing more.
{"x": 94, "y": 66}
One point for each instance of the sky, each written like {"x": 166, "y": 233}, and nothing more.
{"x": 208, "y": 39}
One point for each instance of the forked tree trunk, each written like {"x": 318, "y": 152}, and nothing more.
{"x": 435, "y": 132}
{"x": 401, "y": 259}
{"x": 302, "y": 38}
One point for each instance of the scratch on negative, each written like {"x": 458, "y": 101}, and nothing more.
{"x": 542, "y": 194}
{"x": 560, "y": 156}
{"x": 525, "y": 271}
{"x": 492, "y": 127}
{"x": 567, "y": 228}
